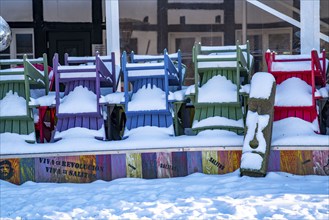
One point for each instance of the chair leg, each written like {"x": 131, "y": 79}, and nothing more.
{"x": 42, "y": 113}
{"x": 52, "y": 112}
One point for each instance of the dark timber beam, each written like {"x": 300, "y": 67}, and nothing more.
{"x": 22, "y": 24}
{"x": 196, "y": 6}
{"x": 162, "y": 17}
{"x": 68, "y": 26}
{"x": 229, "y": 21}
{"x": 96, "y": 34}
{"x": 40, "y": 40}
{"x": 196, "y": 28}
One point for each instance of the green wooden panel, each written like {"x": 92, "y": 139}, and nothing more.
{"x": 218, "y": 111}
{"x": 2, "y": 126}
{"x": 210, "y": 111}
{"x": 23, "y": 128}
{"x": 197, "y": 114}
{"x": 11, "y": 88}
{"x": 225, "y": 73}
{"x": 8, "y": 125}
{"x": 2, "y": 91}
{"x": 232, "y": 113}
{"x": 16, "y": 87}
{"x": 22, "y": 91}
{"x": 16, "y": 127}
{"x": 203, "y": 113}
{"x": 230, "y": 76}
{"x": 225, "y": 111}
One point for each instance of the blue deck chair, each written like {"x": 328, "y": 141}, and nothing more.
{"x": 150, "y": 72}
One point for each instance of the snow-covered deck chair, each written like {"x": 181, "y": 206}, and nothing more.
{"x": 16, "y": 114}
{"x": 297, "y": 77}
{"x": 108, "y": 61}
{"x": 217, "y": 83}
{"x": 147, "y": 104}
{"x": 80, "y": 105}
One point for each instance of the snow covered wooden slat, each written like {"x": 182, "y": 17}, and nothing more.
{"x": 302, "y": 64}
{"x": 20, "y": 61}
{"x": 137, "y": 58}
{"x": 214, "y": 49}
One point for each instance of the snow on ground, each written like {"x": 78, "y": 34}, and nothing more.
{"x": 197, "y": 196}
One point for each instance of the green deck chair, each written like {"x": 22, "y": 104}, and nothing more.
{"x": 15, "y": 83}
{"x": 227, "y": 65}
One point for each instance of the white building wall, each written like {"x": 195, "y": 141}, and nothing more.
{"x": 143, "y": 39}
{"x": 67, "y": 10}
{"x": 195, "y": 1}
{"x": 16, "y": 10}
{"x": 138, "y": 9}
{"x": 195, "y": 16}
{"x": 256, "y": 15}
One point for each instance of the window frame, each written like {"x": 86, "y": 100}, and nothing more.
{"x": 13, "y": 45}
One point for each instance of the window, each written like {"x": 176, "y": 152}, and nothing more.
{"x": 22, "y": 43}
{"x": 278, "y": 39}
{"x": 185, "y": 42}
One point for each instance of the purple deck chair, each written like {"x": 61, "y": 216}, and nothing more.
{"x": 87, "y": 78}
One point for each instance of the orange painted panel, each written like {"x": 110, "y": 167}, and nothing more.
{"x": 10, "y": 170}
{"x": 229, "y": 161}
{"x": 297, "y": 162}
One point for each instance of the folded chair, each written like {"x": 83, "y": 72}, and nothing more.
{"x": 304, "y": 72}
{"x": 149, "y": 79}
{"x": 15, "y": 87}
{"x": 82, "y": 84}
{"x": 217, "y": 82}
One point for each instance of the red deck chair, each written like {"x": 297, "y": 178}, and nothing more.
{"x": 314, "y": 75}
{"x": 41, "y": 126}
